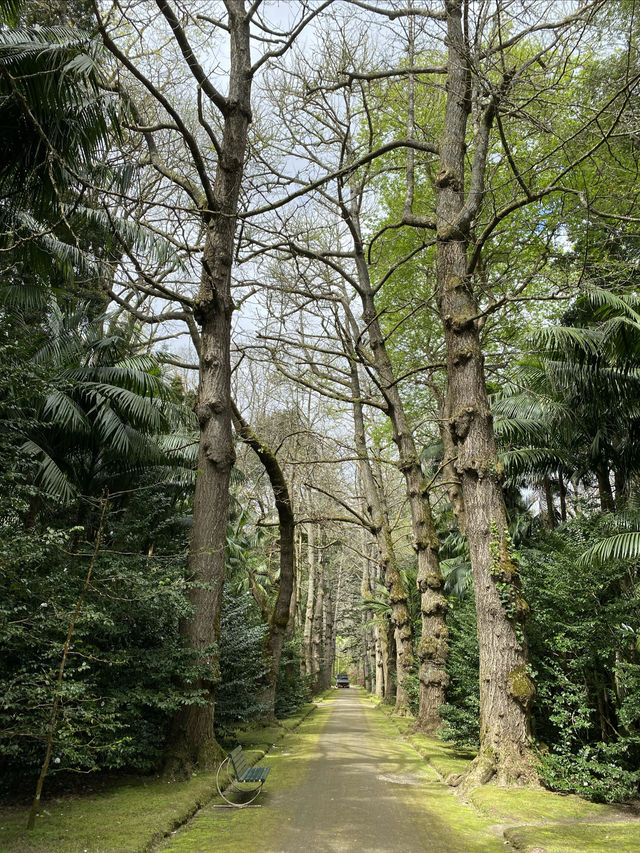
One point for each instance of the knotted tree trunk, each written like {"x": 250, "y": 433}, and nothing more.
{"x": 191, "y": 740}
{"x": 506, "y": 689}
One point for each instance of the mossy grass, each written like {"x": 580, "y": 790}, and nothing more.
{"x": 445, "y": 758}
{"x": 520, "y": 805}
{"x": 562, "y": 823}
{"x": 131, "y": 816}
{"x": 459, "y": 825}
{"x": 228, "y": 831}
{"x": 583, "y": 837}
{"x": 327, "y": 695}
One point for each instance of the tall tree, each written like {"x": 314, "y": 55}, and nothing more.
{"x": 276, "y": 618}
{"x": 488, "y": 68}
{"x": 211, "y": 133}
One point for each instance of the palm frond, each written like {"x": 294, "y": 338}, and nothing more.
{"x": 621, "y": 546}
{"x": 49, "y": 477}
{"x": 531, "y": 460}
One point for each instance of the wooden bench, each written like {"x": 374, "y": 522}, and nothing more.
{"x": 243, "y": 775}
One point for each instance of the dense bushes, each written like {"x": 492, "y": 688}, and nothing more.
{"x": 126, "y": 670}
{"x": 583, "y": 638}
{"x": 461, "y": 711}
{"x": 120, "y": 680}
{"x": 583, "y": 644}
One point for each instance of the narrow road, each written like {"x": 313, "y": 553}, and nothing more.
{"x": 353, "y": 797}
{"x": 345, "y": 781}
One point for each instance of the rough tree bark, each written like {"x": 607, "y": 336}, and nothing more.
{"x": 307, "y": 641}
{"x": 278, "y": 619}
{"x": 371, "y": 628}
{"x": 317, "y": 632}
{"x": 191, "y": 739}
{"x": 329, "y": 638}
{"x": 433, "y": 645}
{"x": 379, "y": 528}
{"x": 506, "y": 689}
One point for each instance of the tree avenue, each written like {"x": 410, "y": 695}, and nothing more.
{"x": 319, "y": 326}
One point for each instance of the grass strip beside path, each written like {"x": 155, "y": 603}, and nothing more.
{"x": 131, "y": 817}
{"x": 532, "y": 820}
{"x": 230, "y": 830}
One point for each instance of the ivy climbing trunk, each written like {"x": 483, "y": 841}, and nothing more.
{"x": 506, "y": 689}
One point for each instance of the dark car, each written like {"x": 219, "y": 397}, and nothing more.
{"x": 342, "y": 680}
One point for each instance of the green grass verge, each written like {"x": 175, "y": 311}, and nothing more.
{"x": 227, "y": 830}
{"x": 457, "y": 825}
{"x": 524, "y": 805}
{"x": 576, "y": 838}
{"x": 444, "y": 757}
{"x": 565, "y": 823}
{"x": 132, "y": 816}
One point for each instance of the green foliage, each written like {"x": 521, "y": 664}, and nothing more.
{"x": 292, "y": 689}
{"x": 411, "y": 683}
{"x": 572, "y": 405}
{"x": 121, "y": 675}
{"x": 583, "y": 639}
{"x": 461, "y": 711}
{"x": 241, "y": 661}
{"x": 601, "y": 772}
{"x": 54, "y": 116}
{"x": 97, "y": 417}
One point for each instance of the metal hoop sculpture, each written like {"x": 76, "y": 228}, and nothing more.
{"x": 234, "y": 785}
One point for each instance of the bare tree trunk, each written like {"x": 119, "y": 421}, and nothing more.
{"x": 379, "y": 527}
{"x": 278, "y": 619}
{"x": 621, "y": 487}
{"x": 506, "y": 688}
{"x": 366, "y": 646}
{"x": 296, "y": 598}
{"x": 371, "y": 631}
{"x": 191, "y": 738}
{"x": 604, "y": 488}
{"x": 335, "y": 604}
{"x": 311, "y": 600}
{"x": 433, "y": 645}
{"x": 563, "y": 497}
{"x": 548, "y": 499}
{"x": 327, "y": 664}
{"x": 380, "y": 666}
{"x": 317, "y": 633}
{"x": 391, "y": 677}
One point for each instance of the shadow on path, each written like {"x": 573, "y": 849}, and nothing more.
{"x": 344, "y": 782}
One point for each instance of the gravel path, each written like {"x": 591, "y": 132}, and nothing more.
{"x": 343, "y": 782}
{"x": 353, "y": 798}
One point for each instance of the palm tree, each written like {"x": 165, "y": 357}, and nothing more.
{"x": 56, "y": 123}
{"x": 103, "y": 412}
{"x": 572, "y": 407}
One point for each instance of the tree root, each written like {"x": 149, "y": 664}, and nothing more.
{"x": 179, "y": 763}
{"x": 507, "y": 768}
